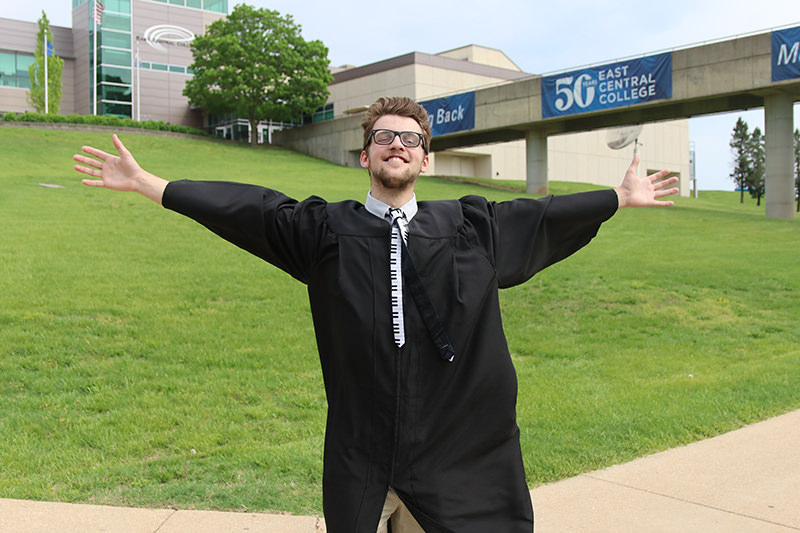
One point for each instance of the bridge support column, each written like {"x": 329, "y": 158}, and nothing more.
{"x": 778, "y": 122}
{"x": 536, "y": 162}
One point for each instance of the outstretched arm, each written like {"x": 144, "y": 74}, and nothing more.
{"x": 644, "y": 192}
{"x": 119, "y": 173}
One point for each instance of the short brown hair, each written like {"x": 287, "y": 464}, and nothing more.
{"x": 402, "y": 106}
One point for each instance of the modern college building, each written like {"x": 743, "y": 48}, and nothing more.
{"x": 138, "y": 53}
{"x": 136, "y": 50}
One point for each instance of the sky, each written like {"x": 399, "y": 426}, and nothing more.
{"x": 541, "y": 37}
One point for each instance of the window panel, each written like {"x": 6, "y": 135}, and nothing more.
{"x": 115, "y": 109}
{"x": 115, "y": 39}
{"x": 218, "y": 6}
{"x": 115, "y": 57}
{"x": 23, "y": 76}
{"x": 114, "y": 92}
{"x": 116, "y": 22}
{"x": 114, "y": 74}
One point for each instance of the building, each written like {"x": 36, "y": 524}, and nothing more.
{"x": 582, "y": 157}
{"x": 143, "y": 57}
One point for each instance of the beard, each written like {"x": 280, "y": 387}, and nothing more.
{"x": 394, "y": 181}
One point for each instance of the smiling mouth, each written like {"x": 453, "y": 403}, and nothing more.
{"x": 396, "y": 158}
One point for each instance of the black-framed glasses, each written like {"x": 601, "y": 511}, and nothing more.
{"x": 409, "y": 139}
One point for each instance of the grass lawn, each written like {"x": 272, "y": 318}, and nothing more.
{"x": 146, "y": 362}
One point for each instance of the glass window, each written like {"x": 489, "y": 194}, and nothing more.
{"x": 218, "y": 6}
{"x": 177, "y": 68}
{"x": 120, "y": 6}
{"x": 115, "y": 57}
{"x": 158, "y": 66}
{"x": 194, "y": 3}
{"x": 76, "y": 3}
{"x": 114, "y": 74}
{"x": 115, "y": 92}
{"x": 116, "y": 22}
{"x": 23, "y": 76}
{"x": 115, "y": 39}
{"x": 8, "y": 69}
{"x": 176, "y": 2}
{"x": 115, "y": 109}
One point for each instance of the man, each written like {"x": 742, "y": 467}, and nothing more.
{"x": 421, "y": 390}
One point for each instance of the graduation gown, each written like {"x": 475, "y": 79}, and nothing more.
{"x": 442, "y": 434}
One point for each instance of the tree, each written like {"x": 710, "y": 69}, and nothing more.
{"x": 797, "y": 168}
{"x": 36, "y": 71}
{"x": 758, "y": 157}
{"x": 255, "y": 64}
{"x": 742, "y": 166}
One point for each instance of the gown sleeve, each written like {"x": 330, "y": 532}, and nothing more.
{"x": 532, "y": 234}
{"x": 264, "y": 222}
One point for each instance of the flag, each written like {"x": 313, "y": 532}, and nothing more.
{"x": 98, "y": 11}
{"x": 49, "y": 48}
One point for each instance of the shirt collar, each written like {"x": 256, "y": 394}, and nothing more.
{"x": 379, "y": 208}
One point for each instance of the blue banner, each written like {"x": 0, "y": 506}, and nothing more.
{"x": 786, "y": 54}
{"x": 607, "y": 86}
{"x": 452, "y": 113}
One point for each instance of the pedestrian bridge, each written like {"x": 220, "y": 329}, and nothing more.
{"x": 761, "y": 70}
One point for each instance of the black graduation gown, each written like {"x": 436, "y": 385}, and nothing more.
{"x": 442, "y": 434}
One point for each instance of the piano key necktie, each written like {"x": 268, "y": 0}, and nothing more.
{"x": 399, "y": 231}
{"x": 402, "y": 269}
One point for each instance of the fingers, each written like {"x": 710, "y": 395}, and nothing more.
{"x": 659, "y": 175}
{"x": 634, "y": 167}
{"x": 668, "y": 192}
{"x": 119, "y": 146}
{"x": 87, "y": 161}
{"x": 95, "y": 152}
{"x": 665, "y": 183}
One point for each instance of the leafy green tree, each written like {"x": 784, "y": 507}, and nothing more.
{"x": 255, "y": 64}
{"x": 758, "y": 157}
{"x": 36, "y": 95}
{"x": 742, "y": 166}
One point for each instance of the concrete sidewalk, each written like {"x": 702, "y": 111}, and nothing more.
{"x": 744, "y": 481}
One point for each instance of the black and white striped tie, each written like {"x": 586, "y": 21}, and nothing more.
{"x": 399, "y": 230}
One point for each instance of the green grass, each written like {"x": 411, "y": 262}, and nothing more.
{"x": 146, "y": 362}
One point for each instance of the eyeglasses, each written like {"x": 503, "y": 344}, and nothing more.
{"x": 409, "y": 139}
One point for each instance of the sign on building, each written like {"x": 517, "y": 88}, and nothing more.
{"x": 785, "y": 51}
{"x": 607, "y": 86}
{"x": 451, "y": 113}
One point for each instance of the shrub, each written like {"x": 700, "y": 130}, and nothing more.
{"x": 99, "y": 120}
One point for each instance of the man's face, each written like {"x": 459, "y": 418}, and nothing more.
{"x": 394, "y": 166}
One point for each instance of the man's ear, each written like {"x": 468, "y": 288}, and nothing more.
{"x": 364, "y": 159}
{"x": 425, "y": 163}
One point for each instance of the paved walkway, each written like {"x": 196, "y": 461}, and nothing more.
{"x": 744, "y": 481}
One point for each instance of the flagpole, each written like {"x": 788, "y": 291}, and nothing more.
{"x": 44, "y": 49}
{"x": 138, "y": 85}
{"x": 94, "y": 57}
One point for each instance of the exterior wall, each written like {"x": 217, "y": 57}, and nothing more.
{"x": 578, "y": 157}
{"x": 481, "y": 55}
{"x": 162, "y": 91}
{"x": 20, "y": 36}
{"x": 361, "y": 92}
{"x": 586, "y": 157}
{"x": 81, "y": 45}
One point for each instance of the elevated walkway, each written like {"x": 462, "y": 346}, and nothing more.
{"x": 708, "y": 78}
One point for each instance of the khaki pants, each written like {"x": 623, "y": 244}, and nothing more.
{"x": 395, "y": 511}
